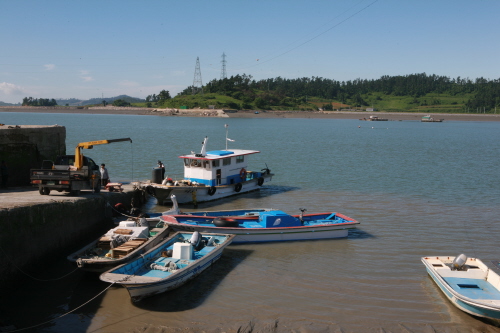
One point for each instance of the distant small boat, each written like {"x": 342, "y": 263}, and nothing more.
{"x": 119, "y": 245}
{"x": 169, "y": 265}
{"x": 469, "y": 283}
{"x": 429, "y": 119}
{"x": 375, "y": 118}
{"x": 263, "y": 225}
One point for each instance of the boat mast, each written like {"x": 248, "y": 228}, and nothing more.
{"x": 226, "y": 126}
{"x": 203, "y": 152}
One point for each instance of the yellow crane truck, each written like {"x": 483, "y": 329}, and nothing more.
{"x": 70, "y": 173}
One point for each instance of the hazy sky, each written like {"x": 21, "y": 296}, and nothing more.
{"x": 84, "y": 49}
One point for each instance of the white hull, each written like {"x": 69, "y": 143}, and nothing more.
{"x": 486, "y": 302}
{"x": 156, "y": 271}
{"x": 257, "y": 235}
{"x": 191, "y": 194}
{"x": 140, "y": 291}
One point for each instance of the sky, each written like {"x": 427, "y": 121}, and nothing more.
{"x": 86, "y": 49}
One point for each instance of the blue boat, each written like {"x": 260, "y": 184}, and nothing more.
{"x": 168, "y": 265}
{"x": 261, "y": 225}
{"x": 469, "y": 283}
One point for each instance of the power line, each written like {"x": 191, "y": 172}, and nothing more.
{"x": 313, "y": 38}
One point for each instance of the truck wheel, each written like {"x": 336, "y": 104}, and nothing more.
{"x": 46, "y": 190}
{"x": 41, "y": 190}
{"x": 74, "y": 193}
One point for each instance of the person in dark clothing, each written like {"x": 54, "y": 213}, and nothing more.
{"x": 4, "y": 172}
{"x": 162, "y": 167}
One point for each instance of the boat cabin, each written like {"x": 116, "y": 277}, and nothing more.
{"x": 218, "y": 167}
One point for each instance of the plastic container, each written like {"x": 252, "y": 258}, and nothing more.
{"x": 156, "y": 176}
{"x": 183, "y": 251}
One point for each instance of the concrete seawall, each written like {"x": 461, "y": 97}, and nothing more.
{"x": 25, "y": 146}
{"x": 35, "y": 227}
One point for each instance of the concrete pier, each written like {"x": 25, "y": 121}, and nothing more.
{"x": 34, "y": 227}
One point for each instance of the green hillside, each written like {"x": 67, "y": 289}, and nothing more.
{"x": 411, "y": 93}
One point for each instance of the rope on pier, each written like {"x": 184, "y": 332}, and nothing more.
{"x": 32, "y": 277}
{"x": 67, "y": 313}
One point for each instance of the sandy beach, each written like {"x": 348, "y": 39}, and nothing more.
{"x": 391, "y": 116}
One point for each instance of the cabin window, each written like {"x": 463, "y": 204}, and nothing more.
{"x": 240, "y": 159}
{"x": 196, "y": 163}
{"x": 187, "y": 162}
{"x": 206, "y": 165}
{"x": 215, "y": 163}
{"x": 226, "y": 161}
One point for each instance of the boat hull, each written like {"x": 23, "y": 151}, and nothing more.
{"x": 196, "y": 194}
{"x": 259, "y": 235}
{"x": 139, "y": 291}
{"x": 152, "y": 274}
{"x": 485, "y": 307}
{"x": 103, "y": 264}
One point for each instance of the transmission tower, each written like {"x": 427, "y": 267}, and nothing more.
{"x": 197, "y": 84}
{"x": 223, "y": 71}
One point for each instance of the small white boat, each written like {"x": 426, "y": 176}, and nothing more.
{"x": 117, "y": 246}
{"x": 169, "y": 265}
{"x": 210, "y": 175}
{"x": 429, "y": 119}
{"x": 470, "y": 284}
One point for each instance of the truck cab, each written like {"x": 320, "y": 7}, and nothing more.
{"x": 62, "y": 175}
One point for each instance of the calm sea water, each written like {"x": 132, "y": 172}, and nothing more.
{"x": 417, "y": 188}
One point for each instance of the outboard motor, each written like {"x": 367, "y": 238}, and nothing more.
{"x": 196, "y": 241}
{"x": 301, "y": 217}
{"x": 143, "y": 222}
{"x": 459, "y": 262}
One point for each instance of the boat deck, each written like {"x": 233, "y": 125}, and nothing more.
{"x": 476, "y": 289}
{"x": 148, "y": 271}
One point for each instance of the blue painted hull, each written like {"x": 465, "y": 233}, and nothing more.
{"x": 265, "y": 225}
{"x": 156, "y": 271}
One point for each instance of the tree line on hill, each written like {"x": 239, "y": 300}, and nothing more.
{"x": 291, "y": 92}
{"x": 30, "y": 101}
{"x": 243, "y": 92}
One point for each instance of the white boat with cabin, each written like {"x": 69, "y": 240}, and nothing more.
{"x": 211, "y": 175}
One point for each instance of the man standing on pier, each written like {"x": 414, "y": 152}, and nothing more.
{"x": 104, "y": 175}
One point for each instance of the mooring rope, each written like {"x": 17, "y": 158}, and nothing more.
{"x": 30, "y": 276}
{"x": 132, "y": 160}
{"x": 65, "y": 314}
{"x": 113, "y": 208}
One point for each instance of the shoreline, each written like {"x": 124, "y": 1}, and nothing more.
{"x": 391, "y": 116}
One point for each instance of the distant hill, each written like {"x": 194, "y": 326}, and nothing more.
{"x": 8, "y": 104}
{"x": 109, "y": 100}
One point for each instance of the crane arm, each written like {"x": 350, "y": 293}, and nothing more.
{"x": 90, "y": 145}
